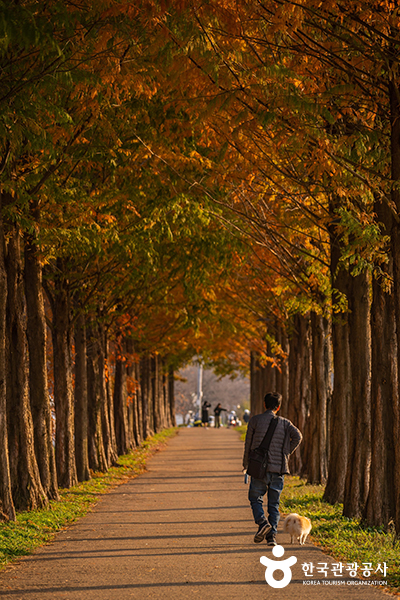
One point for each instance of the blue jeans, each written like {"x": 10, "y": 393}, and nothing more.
{"x": 272, "y": 485}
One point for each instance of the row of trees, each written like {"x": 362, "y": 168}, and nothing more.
{"x": 109, "y": 264}
{"x": 302, "y": 104}
{"x": 214, "y": 180}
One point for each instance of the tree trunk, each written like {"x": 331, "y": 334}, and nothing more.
{"x": 161, "y": 393}
{"x": 171, "y": 395}
{"x": 282, "y": 375}
{"x": 262, "y": 380}
{"x": 26, "y": 487}
{"x": 256, "y": 384}
{"x": 38, "y": 384}
{"x": 7, "y": 510}
{"x": 341, "y": 395}
{"x": 63, "y": 394}
{"x": 81, "y": 401}
{"x": 317, "y": 467}
{"x": 107, "y": 409}
{"x": 97, "y": 455}
{"x": 359, "y": 448}
{"x": 381, "y": 503}
{"x": 109, "y": 395}
{"x": 137, "y": 417}
{"x": 380, "y": 508}
{"x": 299, "y": 382}
{"x": 145, "y": 395}
{"x": 339, "y": 411}
{"x": 136, "y": 435}
{"x": 139, "y": 404}
{"x": 133, "y": 412}
{"x": 161, "y": 379}
{"x": 395, "y": 244}
{"x": 167, "y": 411}
{"x": 155, "y": 394}
{"x": 395, "y": 241}
{"x": 121, "y": 404}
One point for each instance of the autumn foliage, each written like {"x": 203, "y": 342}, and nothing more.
{"x": 219, "y": 180}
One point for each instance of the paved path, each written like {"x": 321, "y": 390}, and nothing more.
{"x": 181, "y": 530}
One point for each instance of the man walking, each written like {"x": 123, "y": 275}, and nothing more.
{"x": 285, "y": 440}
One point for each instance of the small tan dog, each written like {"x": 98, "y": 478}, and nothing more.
{"x": 297, "y": 527}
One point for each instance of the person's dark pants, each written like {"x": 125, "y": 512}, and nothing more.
{"x": 272, "y": 485}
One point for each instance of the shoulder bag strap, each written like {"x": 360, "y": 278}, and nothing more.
{"x": 268, "y": 436}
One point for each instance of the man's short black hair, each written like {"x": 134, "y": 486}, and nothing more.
{"x": 272, "y": 400}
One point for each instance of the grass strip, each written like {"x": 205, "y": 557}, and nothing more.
{"x": 346, "y": 540}
{"x": 35, "y": 528}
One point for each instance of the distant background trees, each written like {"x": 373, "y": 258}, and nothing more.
{"x": 232, "y": 393}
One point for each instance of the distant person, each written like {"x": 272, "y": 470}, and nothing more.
{"x": 217, "y": 412}
{"x": 246, "y": 416}
{"x": 204, "y": 413}
{"x": 285, "y": 440}
{"x": 189, "y": 418}
{"x": 232, "y": 419}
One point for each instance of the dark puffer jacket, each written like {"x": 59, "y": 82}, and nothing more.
{"x": 285, "y": 440}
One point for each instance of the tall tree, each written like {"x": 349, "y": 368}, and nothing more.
{"x": 7, "y": 510}
{"x": 38, "y": 383}
{"x": 81, "y": 401}
{"x": 61, "y": 329}
{"x": 26, "y": 486}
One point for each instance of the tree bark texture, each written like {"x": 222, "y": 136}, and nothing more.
{"x": 394, "y": 92}
{"x": 341, "y": 394}
{"x": 63, "y": 396}
{"x": 109, "y": 396}
{"x": 395, "y": 243}
{"x": 299, "y": 382}
{"x": 81, "y": 401}
{"x": 7, "y": 510}
{"x": 380, "y": 508}
{"x": 155, "y": 394}
{"x": 282, "y": 371}
{"x": 138, "y": 403}
{"x": 339, "y": 411}
{"x": 256, "y": 385}
{"x": 97, "y": 455}
{"x": 165, "y": 388}
{"x": 317, "y": 460}
{"x": 171, "y": 395}
{"x": 121, "y": 405}
{"x": 106, "y": 423}
{"x": 38, "y": 383}
{"x": 359, "y": 447}
{"x": 27, "y": 490}
{"x": 133, "y": 384}
{"x": 145, "y": 396}
{"x": 262, "y": 380}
